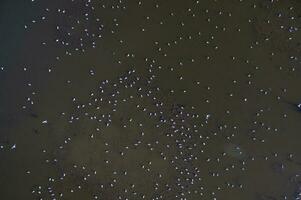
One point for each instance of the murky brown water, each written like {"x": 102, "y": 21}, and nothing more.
{"x": 150, "y": 100}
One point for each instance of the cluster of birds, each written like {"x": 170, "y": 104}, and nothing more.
{"x": 200, "y": 111}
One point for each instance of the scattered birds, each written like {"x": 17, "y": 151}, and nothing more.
{"x": 193, "y": 109}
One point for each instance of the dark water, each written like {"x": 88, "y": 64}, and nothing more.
{"x": 150, "y": 99}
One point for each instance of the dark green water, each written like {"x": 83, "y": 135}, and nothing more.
{"x": 150, "y": 99}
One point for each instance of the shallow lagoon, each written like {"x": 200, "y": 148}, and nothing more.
{"x": 150, "y": 100}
